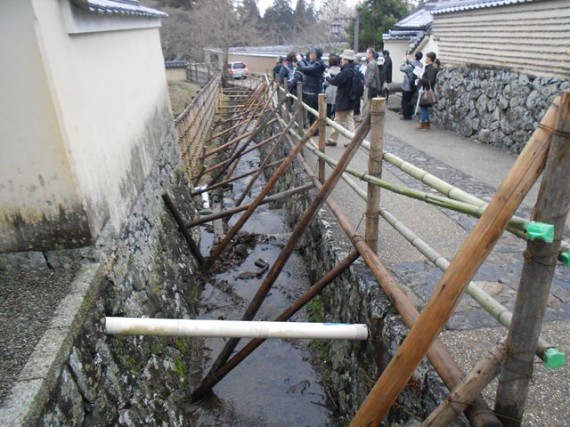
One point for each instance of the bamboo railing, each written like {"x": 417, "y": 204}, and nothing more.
{"x": 494, "y": 217}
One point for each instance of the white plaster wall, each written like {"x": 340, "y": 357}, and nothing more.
{"x": 35, "y": 173}
{"x": 397, "y": 49}
{"x": 108, "y": 89}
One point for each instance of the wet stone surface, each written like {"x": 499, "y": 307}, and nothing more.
{"x": 504, "y": 265}
{"x": 278, "y": 384}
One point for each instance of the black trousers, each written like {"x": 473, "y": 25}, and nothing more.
{"x": 408, "y": 104}
{"x": 312, "y": 100}
{"x": 330, "y": 111}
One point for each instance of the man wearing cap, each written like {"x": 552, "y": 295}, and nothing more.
{"x": 344, "y": 106}
{"x": 313, "y": 79}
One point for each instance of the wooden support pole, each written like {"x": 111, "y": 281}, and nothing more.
{"x": 200, "y": 190}
{"x": 322, "y": 134}
{"x": 263, "y": 164}
{"x": 237, "y": 209}
{"x": 465, "y": 392}
{"x": 302, "y": 225}
{"x": 536, "y": 278}
{"x": 268, "y": 186}
{"x": 450, "y": 372}
{"x": 449, "y": 290}
{"x": 299, "y": 112}
{"x": 216, "y": 376}
{"x": 237, "y": 154}
{"x": 378, "y": 112}
{"x": 226, "y": 145}
{"x": 225, "y": 162}
{"x": 178, "y": 218}
{"x": 221, "y": 133}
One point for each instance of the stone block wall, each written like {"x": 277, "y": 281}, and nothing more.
{"x": 147, "y": 271}
{"x": 492, "y": 106}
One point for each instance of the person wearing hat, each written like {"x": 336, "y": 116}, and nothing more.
{"x": 344, "y": 106}
{"x": 313, "y": 71}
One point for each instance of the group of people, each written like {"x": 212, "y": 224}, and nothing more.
{"x": 348, "y": 79}
{"x": 418, "y": 78}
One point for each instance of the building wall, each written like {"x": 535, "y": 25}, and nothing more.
{"x": 176, "y": 74}
{"x": 397, "y": 49}
{"x": 40, "y": 197}
{"x": 93, "y": 121}
{"x": 529, "y": 38}
{"x": 255, "y": 64}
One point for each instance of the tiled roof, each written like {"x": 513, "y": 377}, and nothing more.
{"x": 414, "y": 37}
{"x": 175, "y": 64}
{"x": 118, "y": 7}
{"x": 417, "y": 20}
{"x": 447, "y": 6}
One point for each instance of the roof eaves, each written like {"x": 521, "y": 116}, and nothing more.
{"x": 113, "y": 7}
{"x": 460, "y": 6}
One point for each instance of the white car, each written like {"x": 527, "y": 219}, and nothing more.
{"x": 237, "y": 70}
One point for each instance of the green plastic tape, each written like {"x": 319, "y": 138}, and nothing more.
{"x": 539, "y": 230}
{"x": 565, "y": 258}
{"x": 554, "y": 358}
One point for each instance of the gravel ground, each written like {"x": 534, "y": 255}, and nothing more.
{"x": 548, "y": 402}
{"x": 30, "y": 291}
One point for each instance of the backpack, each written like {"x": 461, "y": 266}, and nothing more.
{"x": 356, "y": 86}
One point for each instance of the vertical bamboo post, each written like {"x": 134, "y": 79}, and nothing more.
{"x": 536, "y": 278}
{"x": 299, "y": 107}
{"x": 450, "y": 288}
{"x": 377, "y": 114}
{"x": 322, "y": 134}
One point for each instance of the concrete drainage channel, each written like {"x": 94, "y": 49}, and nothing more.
{"x": 279, "y": 384}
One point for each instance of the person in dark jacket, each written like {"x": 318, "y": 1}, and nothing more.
{"x": 286, "y": 72}
{"x": 277, "y": 68}
{"x": 409, "y": 84}
{"x": 344, "y": 106}
{"x": 427, "y": 82}
{"x": 387, "y": 72}
{"x": 313, "y": 71}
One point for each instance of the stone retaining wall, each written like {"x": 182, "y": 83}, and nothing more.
{"x": 352, "y": 367}
{"x": 124, "y": 380}
{"x": 497, "y": 107}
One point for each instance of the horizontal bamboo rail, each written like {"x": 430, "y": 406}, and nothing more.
{"x": 438, "y": 184}
{"x": 501, "y": 313}
{"x": 237, "y": 209}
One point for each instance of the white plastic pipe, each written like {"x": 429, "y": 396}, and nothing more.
{"x": 234, "y": 329}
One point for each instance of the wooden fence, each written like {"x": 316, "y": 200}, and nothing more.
{"x": 193, "y": 124}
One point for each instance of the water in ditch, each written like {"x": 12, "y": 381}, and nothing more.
{"x": 278, "y": 384}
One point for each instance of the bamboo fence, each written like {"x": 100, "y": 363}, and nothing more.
{"x": 196, "y": 121}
